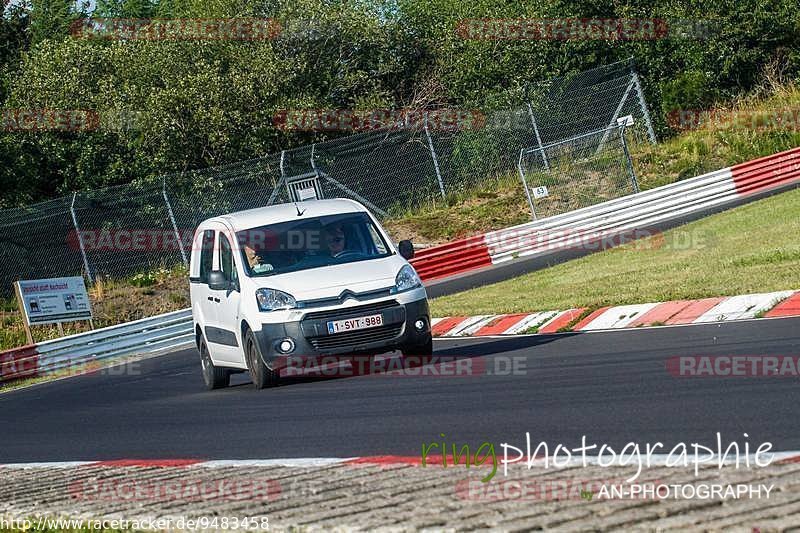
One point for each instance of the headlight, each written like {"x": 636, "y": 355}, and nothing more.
{"x": 272, "y": 300}
{"x": 406, "y": 279}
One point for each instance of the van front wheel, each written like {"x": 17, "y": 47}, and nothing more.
{"x": 215, "y": 377}
{"x": 424, "y": 351}
{"x": 260, "y": 373}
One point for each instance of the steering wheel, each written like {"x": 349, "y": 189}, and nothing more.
{"x": 344, "y": 254}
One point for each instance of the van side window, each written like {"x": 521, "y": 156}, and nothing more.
{"x": 377, "y": 242}
{"x": 226, "y": 263}
{"x": 206, "y": 255}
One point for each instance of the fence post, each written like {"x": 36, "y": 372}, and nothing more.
{"x": 172, "y": 219}
{"x": 628, "y": 160}
{"x": 643, "y": 104}
{"x": 538, "y": 138}
{"x": 525, "y": 183}
{"x": 80, "y": 239}
{"x": 433, "y": 155}
{"x": 276, "y": 189}
{"x": 615, "y": 116}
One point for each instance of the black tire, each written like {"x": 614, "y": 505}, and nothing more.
{"x": 422, "y": 351}
{"x": 215, "y": 377}
{"x": 425, "y": 349}
{"x": 262, "y": 375}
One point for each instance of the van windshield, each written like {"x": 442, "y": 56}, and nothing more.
{"x": 310, "y": 243}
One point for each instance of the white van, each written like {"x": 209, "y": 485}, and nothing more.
{"x": 294, "y": 280}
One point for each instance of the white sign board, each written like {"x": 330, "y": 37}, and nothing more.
{"x": 540, "y": 192}
{"x": 46, "y": 301}
{"x": 307, "y": 194}
{"x": 627, "y": 120}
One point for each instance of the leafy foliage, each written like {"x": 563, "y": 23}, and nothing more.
{"x": 168, "y": 106}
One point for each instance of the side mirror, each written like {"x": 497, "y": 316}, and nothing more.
{"x": 406, "y": 249}
{"x": 217, "y": 281}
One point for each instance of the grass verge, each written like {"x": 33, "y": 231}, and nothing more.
{"x": 753, "y": 248}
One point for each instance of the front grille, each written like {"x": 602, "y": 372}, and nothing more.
{"x": 355, "y": 338}
{"x": 339, "y": 300}
{"x": 351, "y": 311}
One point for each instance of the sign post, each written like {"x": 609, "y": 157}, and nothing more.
{"x": 52, "y": 301}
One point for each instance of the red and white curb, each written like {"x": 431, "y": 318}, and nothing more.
{"x": 676, "y": 312}
{"x": 433, "y": 460}
{"x": 305, "y": 462}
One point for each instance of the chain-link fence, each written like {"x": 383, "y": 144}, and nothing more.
{"x": 126, "y": 229}
{"x": 578, "y": 172}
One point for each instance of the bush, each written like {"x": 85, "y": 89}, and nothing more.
{"x": 689, "y": 90}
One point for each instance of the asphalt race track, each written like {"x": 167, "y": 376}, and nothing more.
{"x": 610, "y": 386}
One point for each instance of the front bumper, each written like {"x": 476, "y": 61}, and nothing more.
{"x": 311, "y": 337}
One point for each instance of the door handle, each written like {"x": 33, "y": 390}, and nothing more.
{"x": 216, "y": 300}
{"x": 210, "y": 299}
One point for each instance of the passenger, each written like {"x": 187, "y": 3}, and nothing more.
{"x": 335, "y": 239}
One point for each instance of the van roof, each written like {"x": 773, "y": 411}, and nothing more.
{"x": 273, "y": 214}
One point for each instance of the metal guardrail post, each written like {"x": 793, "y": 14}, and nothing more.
{"x": 172, "y": 219}
{"x": 352, "y": 193}
{"x": 80, "y": 239}
{"x": 341, "y": 186}
{"x": 280, "y": 183}
{"x": 433, "y": 155}
{"x": 643, "y": 104}
{"x": 628, "y": 160}
{"x": 538, "y": 138}
{"x": 615, "y": 116}
{"x": 525, "y": 183}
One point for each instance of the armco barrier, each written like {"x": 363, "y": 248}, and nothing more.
{"x": 767, "y": 173}
{"x": 452, "y": 258}
{"x": 22, "y": 362}
{"x": 628, "y": 214}
{"x": 170, "y": 330}
{"x": 628, "y": 217}
{"x": 646, "y": 209}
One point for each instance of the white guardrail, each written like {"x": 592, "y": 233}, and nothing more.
{"x": 637, "y": 211}
{"x": 156, "y": 333}
{"x": 645, "y": 210}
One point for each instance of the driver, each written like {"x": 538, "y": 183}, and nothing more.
{"x": 335, "y": 240}
{"x": 253, "y": 259}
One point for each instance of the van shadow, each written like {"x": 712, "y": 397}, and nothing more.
{"x": 468, "y": 359}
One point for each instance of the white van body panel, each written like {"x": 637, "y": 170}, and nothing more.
{"x": 221, "y": 316}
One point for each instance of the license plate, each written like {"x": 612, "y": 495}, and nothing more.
{"x": 351, "y": 324}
